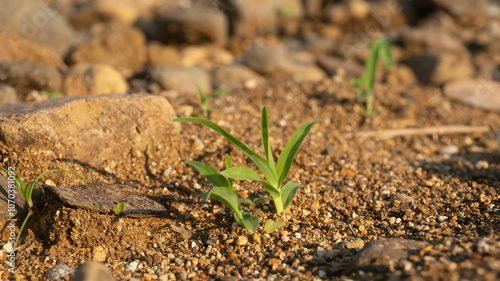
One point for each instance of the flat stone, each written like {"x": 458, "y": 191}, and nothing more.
{"x": 478, "y": 93}
{"x": 103, "y": 197}
{"x": 90, "y": 129}
{"x": 379, "y": 255}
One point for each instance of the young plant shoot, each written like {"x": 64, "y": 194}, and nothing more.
{"x": 275, "y": 174}
{"x": 379, "y": 49}
{"x": 223, "y": 192}
{"x": 27, "y": 192}
{"x": 205, "y": 99}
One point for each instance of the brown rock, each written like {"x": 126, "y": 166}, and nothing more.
{"x": 123, "y": 48}
{"x": 48, "y": 27}
{"x": 159, "y": 54}
{"x": 93, "y": 79}
{"x": 478, "y": 93}
{"x": 359, "y": 9}
{"x": 334, "y": 65}
{"x": 24, "y": 76}
{"x": 192, "y": 26}
{"x": 183, "y": 79}
{"x": 379, "y": 255}
{"x": 418, "y": 40}
{"x": 236, "y": 76}
{"x": 8, "y": 95}
{"x": 267, "y": 59}
{"x": 18, "y": 48}
{"x": 439, "y": 68}
{"x": 250, "y": 18}
{"x": 337, "y": 13}
{"x": 88, "y": 129}
{"x": 312, "y": 8}
{"x": 93, "y": 271}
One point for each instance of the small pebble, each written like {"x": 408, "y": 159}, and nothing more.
{"x": 131, "y": 266}
{"x": 358, "y": 243}
{"x": 480, "y": 165}
{"x": 241, "y": 241}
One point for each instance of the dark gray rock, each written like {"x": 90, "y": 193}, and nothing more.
{"x": 104, "y": 197}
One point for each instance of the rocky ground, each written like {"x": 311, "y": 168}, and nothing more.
{"x": 411, "y": 193}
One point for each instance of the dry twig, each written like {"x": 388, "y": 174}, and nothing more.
{"x": 440, "y": 130}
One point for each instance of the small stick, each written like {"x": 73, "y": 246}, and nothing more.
{"x": 440, "y": 130}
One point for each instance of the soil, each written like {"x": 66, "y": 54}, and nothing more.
{"x": 354, "y": 190}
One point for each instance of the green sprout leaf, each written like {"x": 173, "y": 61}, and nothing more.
{"x": 272, "y": 225}
{"x": 287, "y": 156}
{"x": 241, "y": 174}
{"x": 249, "y": 222}
{"x": 288, "y": 193}
{"x": 119, "y": 209}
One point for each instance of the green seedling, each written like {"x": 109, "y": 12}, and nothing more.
{"x": 282, "y": 195}
{"x": 205, "y": 99}
{"x": 379, "y": 49}
{"x": 50, "y": 95}
{"x": 119, "y": 209}
{"x": 27, "y": 192}
{"x": 223, "y": 192}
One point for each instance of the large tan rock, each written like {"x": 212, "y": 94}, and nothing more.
{"x": 93, "y": 79}
{"x": 123, "y": 48}
{"x": 91, "y": 130}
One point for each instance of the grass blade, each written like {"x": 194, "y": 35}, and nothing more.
{"x": 211, "y": 174}
{"x": 385, "y": 53}
{"x": 288, "y": 193}
{"x": 265, "y": 139}
{"x": 272, "y": 225}
{"x": 241, "y": 174}
{"x": 288, "y": 154}
{"x": 261, "y": 163}
{"x": 201, "y": 93}
{"x": 218, "y": 93}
